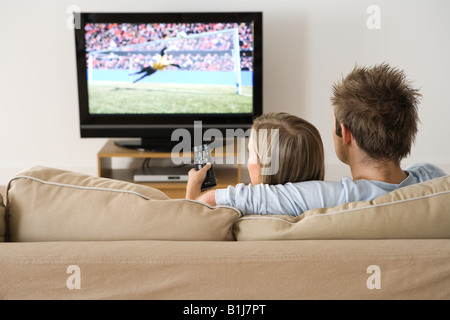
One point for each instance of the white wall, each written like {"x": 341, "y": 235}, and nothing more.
{"x": 308, "y": 45}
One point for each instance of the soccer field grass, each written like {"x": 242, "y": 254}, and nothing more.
{"x": 141, "y": 98}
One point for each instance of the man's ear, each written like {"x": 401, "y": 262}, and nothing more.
{"x": 337, "y": 126}
{"x": 347, "y": 136}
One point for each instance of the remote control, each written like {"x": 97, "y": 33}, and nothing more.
{"x": 202, "y": 156}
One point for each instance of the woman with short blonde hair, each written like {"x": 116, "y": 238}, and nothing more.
{"x": 287, "y": 149}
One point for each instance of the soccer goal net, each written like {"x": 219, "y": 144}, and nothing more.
{"x": 209, "y": 51}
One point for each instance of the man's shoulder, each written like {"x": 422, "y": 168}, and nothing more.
{"x": 420, "y": 172}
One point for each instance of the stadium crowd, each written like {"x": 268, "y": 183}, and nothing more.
{"x": 141, "y": 44}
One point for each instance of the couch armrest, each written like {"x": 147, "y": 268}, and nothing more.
{"x": 2, "y": 220}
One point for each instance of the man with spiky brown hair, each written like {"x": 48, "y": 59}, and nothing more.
{"x": 376, "y": 118}
{"x": 375, "y": 123}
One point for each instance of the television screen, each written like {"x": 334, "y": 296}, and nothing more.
{"x": 140, "y": 72}
{"x": 154, "y": 68}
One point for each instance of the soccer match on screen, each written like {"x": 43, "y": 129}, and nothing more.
{"x": 169, "y": 68}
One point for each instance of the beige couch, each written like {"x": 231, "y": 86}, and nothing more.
{"x": 73, "y": 236}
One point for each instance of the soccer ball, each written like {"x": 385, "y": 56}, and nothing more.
{"x": 181, "y": 35}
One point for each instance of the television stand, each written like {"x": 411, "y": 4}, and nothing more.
{"x": 226, "y": 174}
{"x": 156, "y": 145}
{"x": 152, "y": 145}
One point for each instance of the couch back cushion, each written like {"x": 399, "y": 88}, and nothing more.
{"x": 47, "y": 204}
{"x": 421, "y": 211}
{"x": 2, "y": 220}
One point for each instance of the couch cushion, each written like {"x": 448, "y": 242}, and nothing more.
{"x": 421, "y": 211}
{"x": 2, "y": 220}
{"x": 225, "y": 270}
{"x": 47, "y": 204}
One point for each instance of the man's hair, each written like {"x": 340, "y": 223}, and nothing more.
{"x": 299, "y": 148}
{"x": 379, "y": 107}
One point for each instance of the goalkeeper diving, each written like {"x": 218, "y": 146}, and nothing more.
{"x": 161, "y": 64}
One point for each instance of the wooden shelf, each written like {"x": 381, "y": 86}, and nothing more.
{"x": 225, "y": 174}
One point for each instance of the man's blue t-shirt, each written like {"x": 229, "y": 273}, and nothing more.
{"x": 296, "y": 198}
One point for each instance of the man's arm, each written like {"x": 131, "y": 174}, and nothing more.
{"x": 289, "y": 199}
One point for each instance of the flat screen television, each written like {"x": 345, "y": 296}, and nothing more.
{"x": 144, "y": 75}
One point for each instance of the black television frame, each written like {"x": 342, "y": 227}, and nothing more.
{"x": 155, "y": 130}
